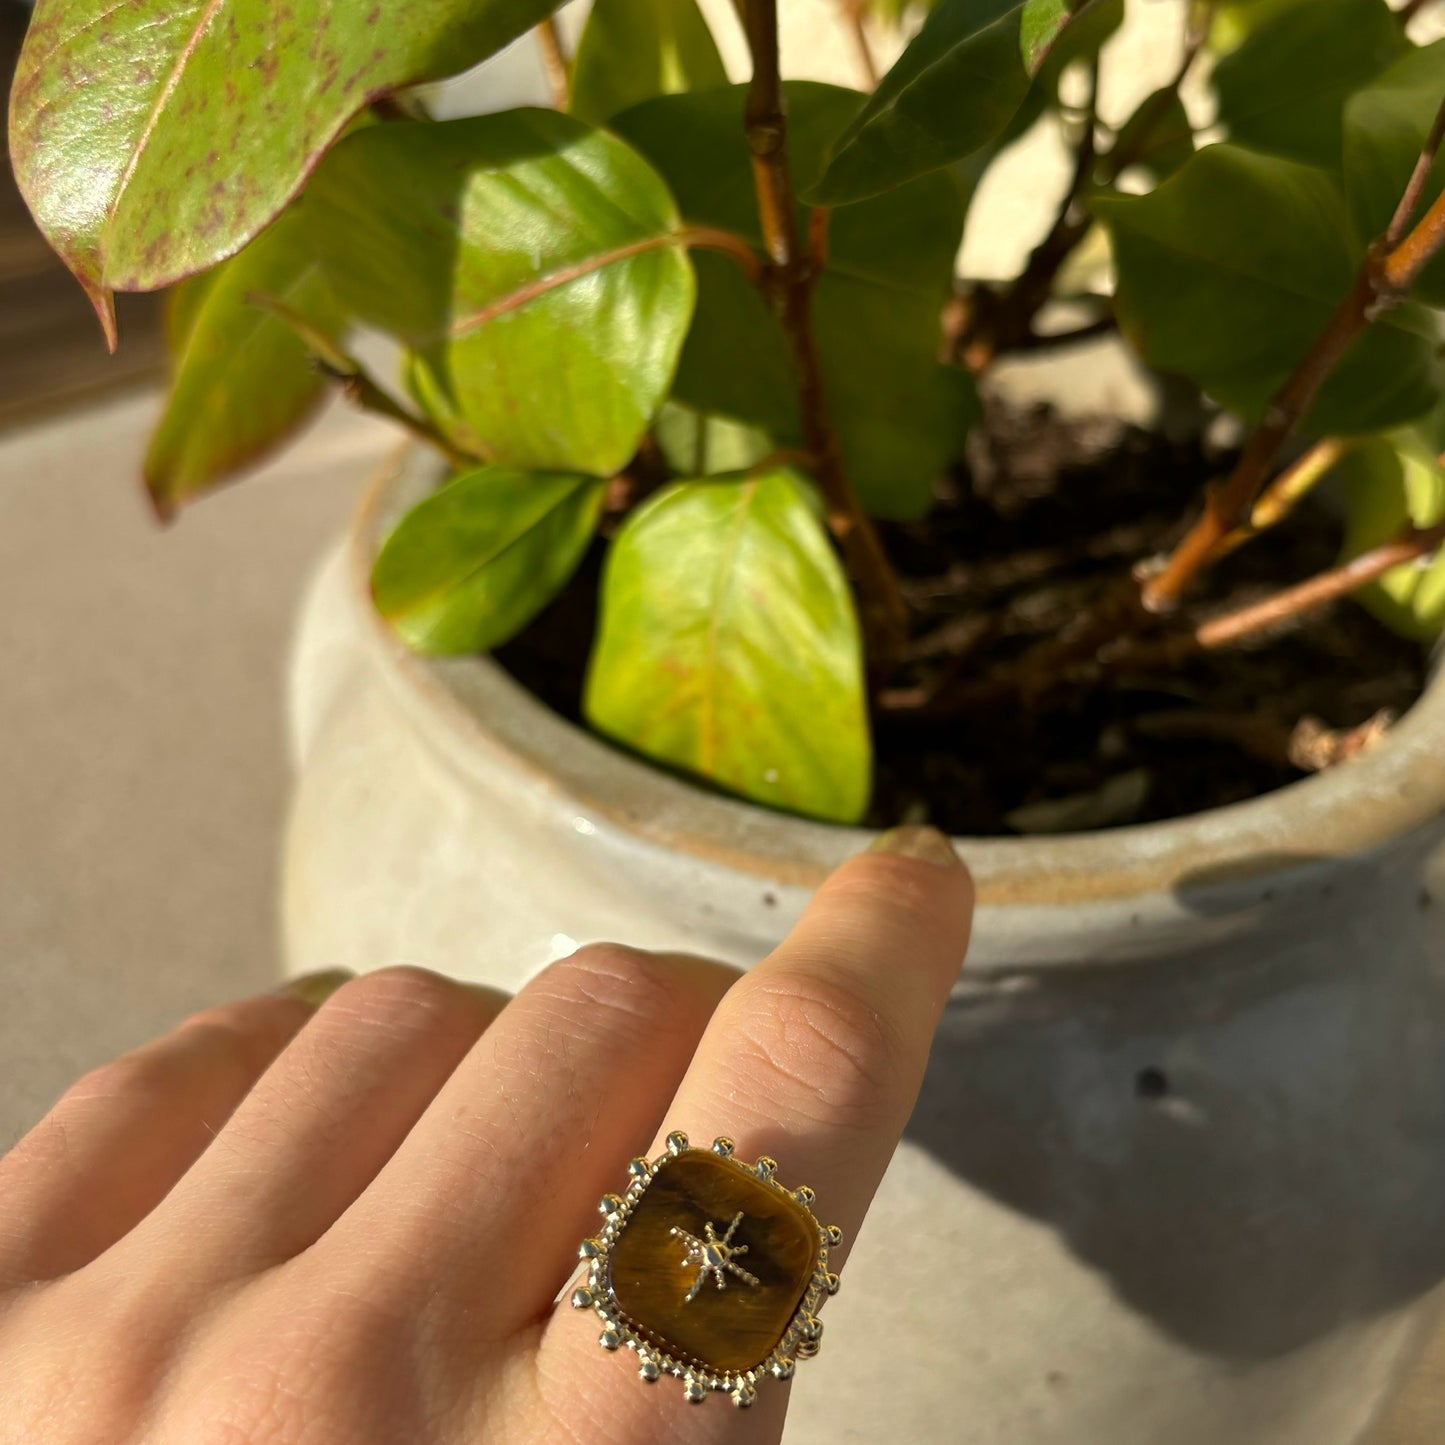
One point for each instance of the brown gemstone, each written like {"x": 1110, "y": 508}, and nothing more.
{"x": 723, "y": 1330}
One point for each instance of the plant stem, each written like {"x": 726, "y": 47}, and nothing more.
{"x": 356, "y": 384}
{"x": 787, "y": 282}
{"x": 1384, "y": 278}
{"x": 1005, "y": 321}
{"x": 1283, "y": 494}
{"x": 554, "y": 61}
{"x": 857, "y": 17}
{"x": 1410, "y": 9}
{"x": 1326, "y": 587}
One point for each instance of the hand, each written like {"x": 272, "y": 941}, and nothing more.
{"x": 290, "y": 1225}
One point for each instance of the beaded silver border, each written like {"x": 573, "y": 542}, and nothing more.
{"x": 800, "y": 1340}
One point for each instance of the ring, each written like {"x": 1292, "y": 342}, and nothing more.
{"x": 710, "y": 1270}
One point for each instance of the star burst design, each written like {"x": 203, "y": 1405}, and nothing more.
{"x": 714, "y": 1256}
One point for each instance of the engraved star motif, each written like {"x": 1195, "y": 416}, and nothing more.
{"x": 714, "y": 1256}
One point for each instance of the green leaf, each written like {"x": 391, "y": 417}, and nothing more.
{"x": 534, "y": 266}
{"x": 1284, "y": 89}
{"x": 1158, "y": 137}
{"x": 700, "y": 444}
{"x": 470, "y": 566}
{"x": 632, "y": 50}
{"x": 955, "y": 88}
{"x": 243, "y": 380}
{"x": 899, "y": 416}
{"x": 1228, "y": 272}
{"x": 154, "y": 139}
{"x": 1386, "y": 125}
{"x": 1390, "y": 484}
{"x": 729, "y": 647}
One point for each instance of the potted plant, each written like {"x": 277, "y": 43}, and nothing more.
{"x": 711, "y": 455}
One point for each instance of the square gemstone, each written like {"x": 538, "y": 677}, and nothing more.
{"x": 724, "y": 1330}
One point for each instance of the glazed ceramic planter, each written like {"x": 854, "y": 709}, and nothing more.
{"x": 1178, "y": 1172}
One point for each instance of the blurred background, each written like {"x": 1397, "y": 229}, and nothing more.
{"x": 143, "y": 771}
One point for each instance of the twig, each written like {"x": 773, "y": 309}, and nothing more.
{"x": 1286, "y": 492}
{"x": 554, "y": 61}
{"x": 1120, "y": 158}
{"x": 356, "y": 384}
{"x": 1326, "y": 587}
{"x": 1007, "y": 686}
{"x": 1384, "y": 279}
{"x": 788, "y": 284}
{"x": 998, "y": 323}
{"x": 1410, "y": 9}
{"x": 1001, "y": 322}
{"x": 856, "y": 15}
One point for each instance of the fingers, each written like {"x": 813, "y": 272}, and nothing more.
{"x": 119, "y": 1139}
{"x": 815, "y": 1058}
{"x": 501, "y": 1178}
{"x": 321, "y": 1122}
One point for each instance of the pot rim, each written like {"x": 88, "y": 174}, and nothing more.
{"x": 478, "y": 714}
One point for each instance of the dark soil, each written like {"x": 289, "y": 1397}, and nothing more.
{"x": 1045, "y": 515}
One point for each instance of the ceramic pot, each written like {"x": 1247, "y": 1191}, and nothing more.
{"x": 1178, "y": 1171}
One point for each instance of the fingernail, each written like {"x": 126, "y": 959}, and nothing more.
{"x": 927, "y": 845}
{"x": 315, "y": 988}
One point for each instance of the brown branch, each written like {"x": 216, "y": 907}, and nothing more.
{"x": 1415, "y": 189}
{"x": 554, "y": 62}
{"x": 1002, "y": 322}
{"x": 1326, "y": 587}
{"x": 788, "y": 284}
{"x": 356, "y": 384}
{"x": 1384, "y": 279}
{"x": 1410, "y": 9}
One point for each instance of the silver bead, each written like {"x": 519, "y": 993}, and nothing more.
{"x": 640, "y": 1168}
{"x": 650, "y": 1370}
{"x": 583, "y": 1298}
{"x": 676, "y": 1142}
{"x": 693, "y": 1391}
{"x": 835, "y": 1235}
{"x": 609, "y": 1339}
{"x": 724, "y": 1146}
{"x": 766, "y": 1167}
{"x": 744, "y": 1396}
{"x": 833, "y": 1283}
{"x": 804, "y": 1195}
{"x": 783, "y": 1369}
{"x": 610, "y": 1204}
{"x": 812, "y": 1329}
{"x": 589, "y": 1249}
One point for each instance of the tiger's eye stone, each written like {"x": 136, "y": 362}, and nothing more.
{"x": 723, "y": 1330}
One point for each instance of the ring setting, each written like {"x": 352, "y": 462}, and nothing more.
{"x": 710, "y": 1270}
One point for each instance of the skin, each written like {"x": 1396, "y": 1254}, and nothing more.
{"x": 284, "y": 1224}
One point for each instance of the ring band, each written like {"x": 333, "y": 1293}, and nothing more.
{"x": 710, "y": 1270}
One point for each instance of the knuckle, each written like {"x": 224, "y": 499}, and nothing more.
{"x": 821, "y": 1049}
{"x": 610, "y": 984}
{"x": 402, "y": 991}
{"x": 139, "y": 1073}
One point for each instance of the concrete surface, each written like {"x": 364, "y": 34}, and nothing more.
{"x": 142, "y": 771}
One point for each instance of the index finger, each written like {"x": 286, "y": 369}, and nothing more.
{"x": 815, "y": 1059}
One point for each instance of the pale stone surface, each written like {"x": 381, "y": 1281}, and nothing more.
{"x": 142, "y": 777}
